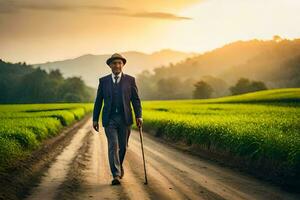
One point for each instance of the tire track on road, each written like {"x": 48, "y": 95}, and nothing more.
{"x": 57, "y": 172}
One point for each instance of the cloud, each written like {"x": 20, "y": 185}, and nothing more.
{"x": 161, "y": 15}
{"x": 10, "y": 6}
{"x": 13, "y": 6}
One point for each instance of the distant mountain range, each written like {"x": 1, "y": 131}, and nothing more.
{"x": 91, "y": 67}
{"x": 275, "y": 62}
{"x": 162, "y": 74}
{"x": 265, "y": 60}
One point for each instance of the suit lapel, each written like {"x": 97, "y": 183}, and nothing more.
{"x": 110, "y": 85}
{"x": 122, "y": 82}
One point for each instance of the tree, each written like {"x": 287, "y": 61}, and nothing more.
{"x": 244, "y": 85}
{"x": 277, "y": 38}
{"x": 56, "y": 75}
{"x": 168, "y": 88}
{"x": 33, "y": 87}
{"x": 146, "y": 84}
{"x": 219, "y": 86}
{"x": 202, "y": 90}
{"x": 73, "y": 90}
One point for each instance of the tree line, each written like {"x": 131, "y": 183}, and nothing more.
{"x": 203, "y": 90}
{"x": 21, "y": 83}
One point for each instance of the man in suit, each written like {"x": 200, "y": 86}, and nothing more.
{"x": 117, "y": 90}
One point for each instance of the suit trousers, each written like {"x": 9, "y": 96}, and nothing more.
{"x": 117, "y": 134}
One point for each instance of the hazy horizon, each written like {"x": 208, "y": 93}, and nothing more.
{"x": 148, "y": 53}
{"x": 38, "y": 32}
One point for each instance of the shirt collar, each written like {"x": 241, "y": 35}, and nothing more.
{"x": 119, "y": 76}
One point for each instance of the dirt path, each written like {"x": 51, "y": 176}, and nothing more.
{"x": 172, "y": 174}
{"x": 56, "y": 174}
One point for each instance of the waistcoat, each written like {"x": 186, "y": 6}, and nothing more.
{"x": 117, "y": 104}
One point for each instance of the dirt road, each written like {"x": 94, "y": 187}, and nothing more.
{"x": 81, "y": 171}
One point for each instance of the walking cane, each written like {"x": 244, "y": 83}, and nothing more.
{"x": 142, "y": 146}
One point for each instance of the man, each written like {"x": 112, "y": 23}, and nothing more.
{"x": 117, "y": 90}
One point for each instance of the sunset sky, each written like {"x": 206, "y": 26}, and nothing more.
{"x": 39, "y": 31}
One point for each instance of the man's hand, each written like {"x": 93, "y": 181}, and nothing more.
{"x": 96, "y": 126}
{"x": 139, "y": 122}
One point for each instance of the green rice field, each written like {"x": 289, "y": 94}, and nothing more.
{"x": 261, "y": 128}
{"x": 23, "y": 127}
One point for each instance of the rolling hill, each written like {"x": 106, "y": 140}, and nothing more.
{"x": 91, "y": 67}
{"x": 275, "y": 62}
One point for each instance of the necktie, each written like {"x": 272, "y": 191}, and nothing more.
{"x": 116, "y": 79}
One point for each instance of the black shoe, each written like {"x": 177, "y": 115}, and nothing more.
{"x": 116, "y": 181}
{"x": 122, "y": 172}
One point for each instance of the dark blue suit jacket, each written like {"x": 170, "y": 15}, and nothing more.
{"x": 129, "y": 94}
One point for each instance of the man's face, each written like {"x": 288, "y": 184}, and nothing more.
{"x": 116, "y": 66}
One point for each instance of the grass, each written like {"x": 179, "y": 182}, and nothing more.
{"x": 24, "y": 127}
{"x": 261, "y": 128}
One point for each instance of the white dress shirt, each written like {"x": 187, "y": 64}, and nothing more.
{"x": 119, "y": 77}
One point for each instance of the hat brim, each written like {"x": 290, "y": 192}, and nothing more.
{"x": 108, "y": 61}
